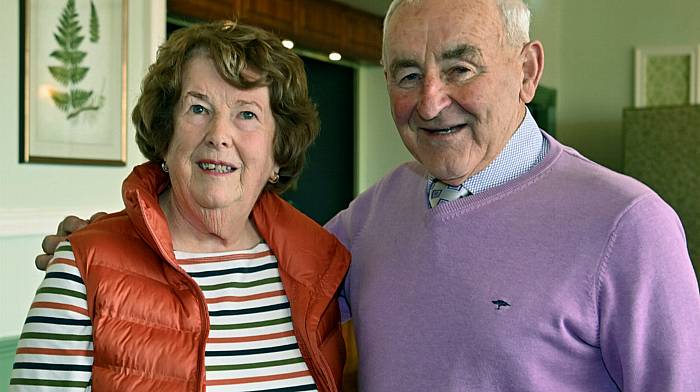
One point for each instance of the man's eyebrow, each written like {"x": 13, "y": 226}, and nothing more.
{"x": 400, "y": 64}
{"x": 465, "y": 51}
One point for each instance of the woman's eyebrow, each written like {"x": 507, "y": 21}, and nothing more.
{"x": 197, "y": 95}
{"x": 247, "y": 102}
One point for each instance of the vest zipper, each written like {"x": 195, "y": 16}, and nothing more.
{"x": 204, "y": 317}
{"x": 203, "y": 313}
{"x": 319, "y": 364}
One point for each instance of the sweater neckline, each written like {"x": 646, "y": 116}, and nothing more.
{"x": 460, "y": 206}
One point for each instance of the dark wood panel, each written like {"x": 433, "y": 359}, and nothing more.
{"x": 364, "y": 34}
{"x": 209, "y": 10}
{"x": 322, "y": 22}
{"x": 275, "y": 15}
{"x": 320, "y": 25}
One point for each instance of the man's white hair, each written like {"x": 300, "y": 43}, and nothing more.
{"x": 515, "y": 14}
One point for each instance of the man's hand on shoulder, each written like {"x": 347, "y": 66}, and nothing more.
{"x": 68, "y": 225}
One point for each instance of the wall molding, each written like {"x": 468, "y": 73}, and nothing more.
{"x": 8, "y": 345}
{"x": 18, "y": 222}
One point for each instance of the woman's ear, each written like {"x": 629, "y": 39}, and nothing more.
{"x": 532, "y": 57}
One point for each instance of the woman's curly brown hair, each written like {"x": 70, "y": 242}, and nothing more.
{"x": 233, "y": 48}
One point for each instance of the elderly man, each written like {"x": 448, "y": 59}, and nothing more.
{"x": 502, "y": 260}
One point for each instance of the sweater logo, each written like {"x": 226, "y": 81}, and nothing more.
{"x": 500, "y": 303}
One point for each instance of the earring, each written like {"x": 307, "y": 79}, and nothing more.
{"x": 275, "y": 177}
{"x": 164, "y": 167}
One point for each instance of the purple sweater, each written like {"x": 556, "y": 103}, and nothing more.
{"x": 569, "y": 278}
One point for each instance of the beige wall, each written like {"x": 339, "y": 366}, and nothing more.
{"x": 379, "y": 147}
{"x": 596, "y": 65}
{"x": 546, "y": 26}
{"x": 33, "y": 197}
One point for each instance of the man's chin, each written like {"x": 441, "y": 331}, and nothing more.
{"x": 448, "y": 176}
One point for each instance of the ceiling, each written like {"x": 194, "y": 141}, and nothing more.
{"x": 376, "y": 7}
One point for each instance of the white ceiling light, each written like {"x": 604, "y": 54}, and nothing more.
{"x": 335, "y": 56}
{"x": 287, "y": 43}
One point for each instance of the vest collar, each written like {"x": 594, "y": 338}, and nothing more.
{"x": 290, "y": 234}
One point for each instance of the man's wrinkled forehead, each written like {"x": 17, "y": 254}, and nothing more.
{"x": 441, "y": 20}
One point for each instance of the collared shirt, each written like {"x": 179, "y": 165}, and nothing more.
{"x": 524, "y": 150}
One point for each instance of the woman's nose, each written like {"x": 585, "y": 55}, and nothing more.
{"x": 220, "y": 133}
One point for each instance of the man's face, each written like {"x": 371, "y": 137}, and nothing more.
{"x": 454, "y": 84}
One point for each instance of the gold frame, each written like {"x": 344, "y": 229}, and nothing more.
{"x": 117, "y": 156}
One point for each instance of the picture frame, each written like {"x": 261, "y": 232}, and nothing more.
{"x": 667, "y": 76}
{"x": 74, "y": 77}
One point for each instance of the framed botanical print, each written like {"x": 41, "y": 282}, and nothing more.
{"x": 74, "y": 81}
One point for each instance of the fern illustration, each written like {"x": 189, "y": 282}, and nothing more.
{"x": 94, "y": 24}
{"x": 70, "y": 72}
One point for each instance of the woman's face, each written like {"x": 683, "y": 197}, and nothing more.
{"x": 221, "y": 152}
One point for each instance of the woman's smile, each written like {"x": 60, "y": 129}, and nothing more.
{"x": 216, "y": 167}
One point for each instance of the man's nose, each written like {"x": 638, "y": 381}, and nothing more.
{"x": 433, "y": 98}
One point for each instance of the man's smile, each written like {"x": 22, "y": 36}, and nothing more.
{"x": 443, "y": 131}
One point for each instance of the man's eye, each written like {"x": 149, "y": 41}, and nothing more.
{"x": 198, "y": 109}
{"x": 461, "y": 73}
{"x": 409, "y": 77}
{"x": 248, "y": 115}
{"x": 409, "y": 80}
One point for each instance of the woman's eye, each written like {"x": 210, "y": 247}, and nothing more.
{"x": 248, "y": 115}
{"x": 198, "y": 109}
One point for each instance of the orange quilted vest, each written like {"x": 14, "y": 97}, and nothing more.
{"x": 150, "y": 320}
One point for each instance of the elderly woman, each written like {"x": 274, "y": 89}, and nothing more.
{"x": 207, "y": 279}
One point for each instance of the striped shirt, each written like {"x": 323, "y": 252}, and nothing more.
{"x": 251, "y": 344}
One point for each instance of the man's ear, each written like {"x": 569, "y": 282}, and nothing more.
{"x": 532, "y": 57}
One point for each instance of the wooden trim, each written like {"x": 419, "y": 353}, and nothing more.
{"x": 313, "y": 24}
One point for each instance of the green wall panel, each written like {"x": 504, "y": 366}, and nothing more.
{"x": 662, "y": 149}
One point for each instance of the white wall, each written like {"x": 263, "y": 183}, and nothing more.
{"x": 589, "y": 60}
{"x": 378, "y": 143}
{"x": 597, "y": 63}
{"x": 546, "y": 27}
{"x": 34, "y": 197}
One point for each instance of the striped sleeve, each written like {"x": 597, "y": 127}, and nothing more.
{"x": 55, "y": 349}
